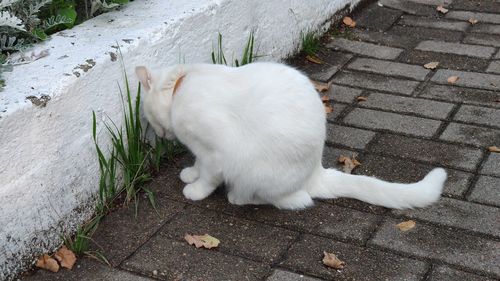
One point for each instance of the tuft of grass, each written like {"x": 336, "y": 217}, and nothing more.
{"x": 247, "y": 57}
{"x": 165, "y": 149}
{"x": 310, "y": 43}
{"x": 218, "y": 56}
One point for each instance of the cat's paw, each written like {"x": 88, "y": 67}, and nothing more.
{"x": 197, "y": 191}
{"x": 189, "y": 175}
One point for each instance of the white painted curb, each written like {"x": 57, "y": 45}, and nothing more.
{"x": 48, "y": 165}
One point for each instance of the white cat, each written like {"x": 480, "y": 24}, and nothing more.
{"x": 260, "y": 129}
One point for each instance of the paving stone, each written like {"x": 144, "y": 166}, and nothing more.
{"x": 449, "y": 61}
{"x": 458, "y": 214}
{"x": 349, "y": 137}
{"x": 469, "y": 134}
{"x": 459, "y": 95}
{"x": 456, "y": 48}
{"x": 444, "y": 273}
{"x": 281, "y": 275}
{"x": 360, "y": 262}
{"x": 494, "y": 67}
{"x": 239, "y": 235}
{"x": 448, "y": 246}
{"x": 469, "y": 79}
{"x": 390, "y": 68}
{"x": 482, "y": 39}
{"x": 323, "y": 219}
{"x": 406, "y": 171}
{"x": 487, "y": 191}
{"x": 175, "y": 260}
{"x": 409, "y": 7}
{"x": 87, "y": 269}
{"x": 416, "y": 126}
{"x": 486, "y": 28}
{"x": 358, "y": 205}
{"x": 478, "y": 115}
{"x": 426, "y": 108}
{"x": 337, "y": 110}
{"x": 433, "y": 23}
{"x": 492, "y": 165}
{"x": 444, "y": 3}
{"x": 489, "y": 6}
{"x": 388, "y": 38}
{"x": 497, "y": 56}
{"x": 323, "y": 72}
{"x": 376, "y": 82}
{"x": 428, "y": 151}
{"x": 121, "y": 232}
{"x": 466, "y": 15}
{"x": 376, "y": 17}
{"x": 365, "y": 49}
{"x": 343, "y": 94}
{"x": 423, "y": 33}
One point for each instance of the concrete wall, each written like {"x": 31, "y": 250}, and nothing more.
{"x": 48, "y": 166}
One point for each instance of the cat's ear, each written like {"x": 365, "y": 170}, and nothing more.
{"x": 144, "y": 77}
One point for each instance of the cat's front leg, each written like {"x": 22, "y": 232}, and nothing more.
{"x": 210, "y": 177}
{"x": 190, "y": 174}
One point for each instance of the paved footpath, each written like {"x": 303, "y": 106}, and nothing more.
{"x": 412, "y": 120}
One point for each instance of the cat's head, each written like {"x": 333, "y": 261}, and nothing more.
{"x": 158, "y": 88}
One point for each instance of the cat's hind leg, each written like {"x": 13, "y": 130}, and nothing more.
{"x": 210, "y": 177}
{"x": 294, "y": 201}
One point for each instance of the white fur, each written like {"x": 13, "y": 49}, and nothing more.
{"x": 260, "y": 129}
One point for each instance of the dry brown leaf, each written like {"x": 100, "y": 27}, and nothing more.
{"x": 332, "y": 261}
{"x": 431, "y": 65}
{"x": 406, "y": 225}
{"x": 314, "y": 59}
{"x": 65, "y": 257}
{"x": 349, "y": 163}
{"x": 349, "y": 22}
{"x": 48, "y": 263}
{"x": 205, "y": 241}
{"x": 361, "y": 98}
{"x": 320, "y": 86}
{"x": 494, "y": 149}
{"x": 325, "y": 98}
{"x": 452, "y": 79}
{"x": 473, "y": 21}
{"x": 328, "y": 108}
{"x": 442, "y": 9}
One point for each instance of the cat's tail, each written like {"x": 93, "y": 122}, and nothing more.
{"x": 334, "y": 184}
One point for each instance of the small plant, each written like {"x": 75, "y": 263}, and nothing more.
{"x": 310, "y": 43}
{"x": 248, "y": 55}
{"x": 166, "y": 149}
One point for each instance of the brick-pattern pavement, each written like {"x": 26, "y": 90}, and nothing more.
{"x": 412, "y": 120}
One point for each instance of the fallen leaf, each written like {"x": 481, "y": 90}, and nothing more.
{"x": 314, "y": 59}
{"x": 494, "y": 149}
{"x": 328, "y": 108}
{"x": 48, "y": 263}
{"x": 65, "y": 257}
{"x": 431, "y": 65}
{"x": 349, "y": 163}
{"x": 205, "y": 241}
{"x": 349, "y": 22}
{"x": 320, "y": 86}
{"x": 452, "y": 79}
{"x": 325, "y": 98}
{"x": 406, "y": 225}
{"x": 332, "y": 261}
{"x": 361, "y": 98}
{"x": 442, "y": 9}
{"x": 473, "y": 21}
